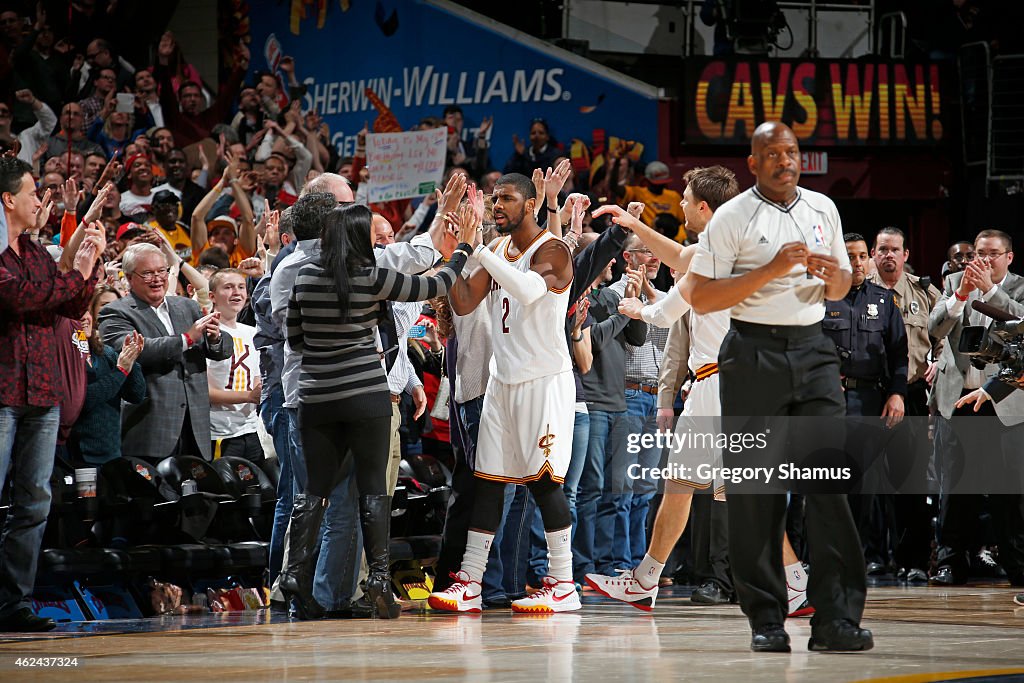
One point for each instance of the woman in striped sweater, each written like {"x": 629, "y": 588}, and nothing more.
{"x": 344, "y": 401}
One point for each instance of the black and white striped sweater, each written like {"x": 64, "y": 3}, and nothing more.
{"x": 340, "y": 362}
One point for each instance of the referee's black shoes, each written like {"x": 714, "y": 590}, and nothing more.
{"x": 710, "y": 593}
{"x": 770, "y": 638}
{"x": 839, "y": 635}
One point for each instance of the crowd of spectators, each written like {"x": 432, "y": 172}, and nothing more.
{"x": 183, "y": 195}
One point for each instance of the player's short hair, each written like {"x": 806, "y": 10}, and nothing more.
{"x": 1007, "y": 240}
{"x": 854, "y": 237}
{"x": 523, "y": 185}
{"x": 715, "y": 185}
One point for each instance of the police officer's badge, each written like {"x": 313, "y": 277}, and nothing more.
{"x": 914, "y": 307}
{"x": 872, "y": 311}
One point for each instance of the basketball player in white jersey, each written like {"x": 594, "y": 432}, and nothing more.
{"x": 526, "y": 422}
{"x": 706, "y": 190}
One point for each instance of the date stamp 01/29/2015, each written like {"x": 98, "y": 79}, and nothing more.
{"x": 45, "y": 662}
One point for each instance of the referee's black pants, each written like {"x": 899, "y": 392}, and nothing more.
{"x": 787, "y": 371}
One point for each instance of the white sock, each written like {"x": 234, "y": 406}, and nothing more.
{"x": 796, "y": 577}
{"x": 478, "y": 547}
{"x": 559, "y": 553}
{"x": 648, "y": 572}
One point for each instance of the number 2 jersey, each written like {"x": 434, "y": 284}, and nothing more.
{"x": 529, "y": 341}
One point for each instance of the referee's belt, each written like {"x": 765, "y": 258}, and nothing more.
{"x": 641, "y": 386}
{"x": 705, "y": 371}
{"x": 855, "y": 383}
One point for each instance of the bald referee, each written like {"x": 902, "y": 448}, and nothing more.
{"x": 774, "y": 254}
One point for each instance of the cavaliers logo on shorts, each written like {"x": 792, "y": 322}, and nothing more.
{"x": 547, "y": 441}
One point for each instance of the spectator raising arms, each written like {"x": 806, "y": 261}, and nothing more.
{"x": 542, "y": 152}
{"x": 33, "y": 294}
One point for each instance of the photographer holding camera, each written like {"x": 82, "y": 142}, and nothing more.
{"x": 986, "y": 278}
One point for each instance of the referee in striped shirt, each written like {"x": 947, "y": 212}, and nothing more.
{"x": 773, "y": 254}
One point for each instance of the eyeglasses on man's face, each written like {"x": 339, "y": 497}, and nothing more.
{"x": 153, "y": 275}
{"x": 990, "y": 255}
{"x": 964, "y": 257}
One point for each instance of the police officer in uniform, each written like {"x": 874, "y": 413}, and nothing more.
{"x": 868, "y": 331}
{"x": 773, "y": 254}
{"x": 915, "y": 297}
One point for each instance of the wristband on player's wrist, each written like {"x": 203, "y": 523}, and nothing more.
{"x": 959, "y": 297}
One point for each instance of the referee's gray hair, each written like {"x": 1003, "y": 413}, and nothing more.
{"x": 136, "y": 252}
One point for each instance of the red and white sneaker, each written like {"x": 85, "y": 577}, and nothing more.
{"x": 624, "y": 588}
{"x": 462, "y": 596}
{"x": 555, "y": 596}
{"x": 799, "y": 606}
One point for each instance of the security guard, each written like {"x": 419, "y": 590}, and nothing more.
{"x": 915, "y": 297}
{"x": 870, "y": 338}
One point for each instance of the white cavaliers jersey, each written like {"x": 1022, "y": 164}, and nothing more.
{"x": 528, "y": 341}
{"x": 706, "y": 335}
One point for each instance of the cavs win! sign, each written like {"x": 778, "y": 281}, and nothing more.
{"x": 826, "y": 102}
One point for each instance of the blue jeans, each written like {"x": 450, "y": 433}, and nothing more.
{"x": 602, "y": 503}
{"x": 341, "y": 545}
{"x": 538, "y": 542}
{"x": 515, "y": 542}
{"x": 28, "y": 443}
{"x": 275, "y": 419}
{"x": 493, "y": 583}
{"x": 642, "y": 409}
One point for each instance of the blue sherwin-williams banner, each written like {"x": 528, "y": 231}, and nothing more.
{"x": 419, "y": 56}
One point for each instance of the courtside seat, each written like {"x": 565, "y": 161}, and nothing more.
{"x": 249, "y": 555}
{"x": 83, "y": 561}
{"x": 176, "y": 469}
{"x": 424, "y": 549}
{"x": 272, "y": 468}
{"x": 144, "y": 560}
{"x": 195, "y": 560}
{"x": 401, "y": 550}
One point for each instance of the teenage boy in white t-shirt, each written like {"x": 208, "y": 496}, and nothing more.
{"x": 234, "y": 383}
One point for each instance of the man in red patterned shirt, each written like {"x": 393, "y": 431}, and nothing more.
{"x": 33, "y": 295}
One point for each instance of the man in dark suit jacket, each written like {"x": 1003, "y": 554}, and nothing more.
{"x": 987, "y": 279}
{"x": 175, "y": 417}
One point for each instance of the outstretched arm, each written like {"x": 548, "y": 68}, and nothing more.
{"x": 666, "y": 249}
{"x": 551, "y": 269}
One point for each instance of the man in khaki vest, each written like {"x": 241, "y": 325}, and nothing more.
{"x": 915, "y": 297}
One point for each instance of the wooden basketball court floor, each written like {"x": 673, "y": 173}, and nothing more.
{"x": 921, "y": 634}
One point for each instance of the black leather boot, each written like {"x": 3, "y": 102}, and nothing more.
{"x": 303, "y": 534}
{"x": 375, "y": 517}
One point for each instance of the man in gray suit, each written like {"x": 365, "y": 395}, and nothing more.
{"x": 175, "y": 417}
{"x": 986, "y": 278}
